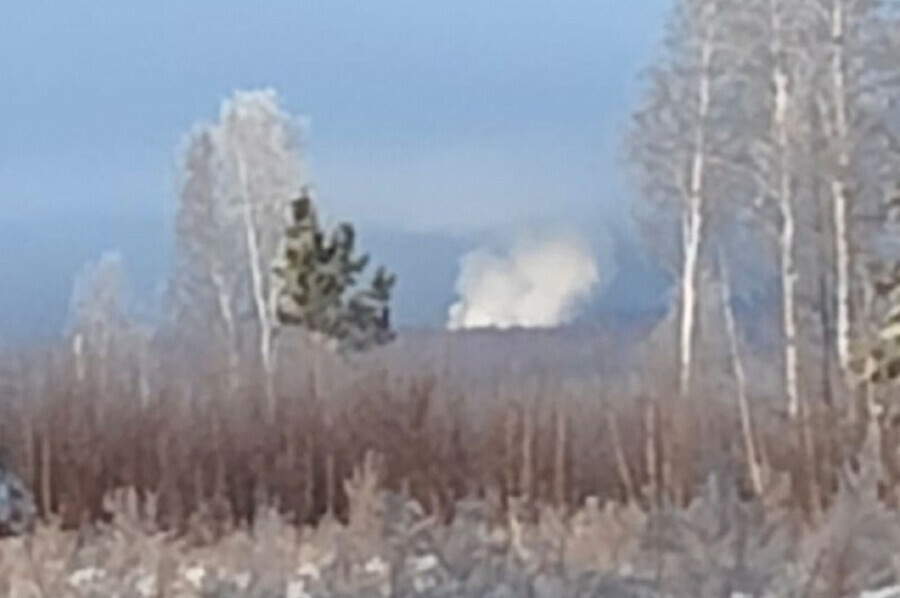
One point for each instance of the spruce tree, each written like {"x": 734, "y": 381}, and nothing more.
{"x": 320, "y": 288}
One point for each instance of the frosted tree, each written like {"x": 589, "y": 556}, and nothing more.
{"x": 810, "y": 155}
{"x": 260, "y": 148}
{"x": 106, "y": 342}
{"x": 779, "y": 69}
{"x": 679, "y": 139}
{"x": 238, "y": 177}
{"x": 786, "y": 72}
{"x": 319, "y": 287}
{"x": 204, "y": 289}
{"x": 98, "y": 314}
{"x": 857, "y": 86}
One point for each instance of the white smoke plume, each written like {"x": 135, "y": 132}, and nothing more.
{"x": 539, "y": 284}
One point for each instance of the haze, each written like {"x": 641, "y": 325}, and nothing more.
{"x": 434, "y": 126}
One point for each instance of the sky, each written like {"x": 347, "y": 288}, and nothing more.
{"x": 428, "y": 120}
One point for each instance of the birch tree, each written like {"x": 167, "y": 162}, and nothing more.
{"x": 260, "y": 148}
{"x": 858, "y": 78}
{"x": 107, "y": 344}
{"x": 203, "y": 292}
{"x": 784, "y": 26}
{"x": 679, "y": 137}
{"x": 239, "y": 177}
{"x": 780, "y": 70}
{"x": 98, "y": 314}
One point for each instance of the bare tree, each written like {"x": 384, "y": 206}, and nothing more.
{"x": 857, "y": 79}
{"x": 204, "y": 287}
{"x": 779, "y": 72}
{"x": 260, "y": 145}
{"x": 239, "y": 177}
{"x": 679, "y": 139}
{"x": 751, "y": 452}
{"x": 765, "y": 103}
{"x": 99, "y": 320}
{"x": 110, "y": 348}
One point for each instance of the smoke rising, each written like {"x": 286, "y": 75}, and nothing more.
{"x": 537, "y": 284}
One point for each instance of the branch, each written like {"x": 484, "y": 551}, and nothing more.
{"x": 744, "y": 170}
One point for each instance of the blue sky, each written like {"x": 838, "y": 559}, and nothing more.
{"x": 435, "y": 118}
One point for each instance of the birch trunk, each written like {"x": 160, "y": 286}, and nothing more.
{"x": 839, "y": 184}
{"x": 258, "y": 284}
{"x": 787, "y": 232}
{"x": 751, "y": 454}
{"x": 789, "y": 306}
{"x": 693, "y": 226}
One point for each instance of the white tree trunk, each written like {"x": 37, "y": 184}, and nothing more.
{"x": 787, "y": 232}
{"x": 788, "y": 270}
{"x": 789, "y": 306}
{"x": 258, "y": 284}
{"x": 693, "y": 230}
{"x": 839, "y": 184}
{"x": 751, "y": 453}
{"x": 693, "y": 226}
